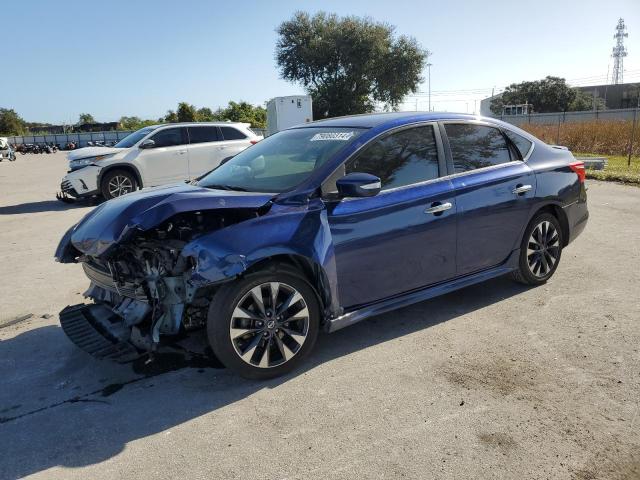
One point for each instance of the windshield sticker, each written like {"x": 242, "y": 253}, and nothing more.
{"x": 335, "y": 136}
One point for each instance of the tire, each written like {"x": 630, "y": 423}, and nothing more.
{"x": 117, "y": 183}
{"x": 271, "y": 345}
{"x": 540, "y": 250}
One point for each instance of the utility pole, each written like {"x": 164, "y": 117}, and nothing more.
{"x": 619, "y": 52}
{"x": 428, "y": 54}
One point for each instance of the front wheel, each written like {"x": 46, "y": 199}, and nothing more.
{"x": 540, "y": 250}
{"x": 264, "y": 324}
{"x": 117, "y": 183}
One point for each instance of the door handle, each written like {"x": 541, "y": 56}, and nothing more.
{"x": 520, "y": 189}
{"x": 438, "y": 207}
{"x": 181, "y": 152}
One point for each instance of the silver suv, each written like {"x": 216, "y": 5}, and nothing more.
{"x": 155, "y": 155}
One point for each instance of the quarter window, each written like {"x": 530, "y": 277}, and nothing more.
{"x": 476, "y": 146}
{"x": 402, "y": 158}
{"x": 169, "y": 137}
{"x": 203, "y": 134}
{"x": 230, "y": 133}
{"x": 522, "y": 144}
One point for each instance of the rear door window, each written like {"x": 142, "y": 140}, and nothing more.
{"x": 230, "y": 133}
{"x": 522, "y": 144}
{"x": 170, "y": 137}
{"x": 476, "y": 146}
{"x": 203, "y": 134}
{"x": 402, "y": 158}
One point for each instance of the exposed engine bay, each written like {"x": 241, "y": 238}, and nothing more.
{"x": 141, "y": 289}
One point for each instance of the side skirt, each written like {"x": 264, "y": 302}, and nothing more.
{"x": 407, "y": 299}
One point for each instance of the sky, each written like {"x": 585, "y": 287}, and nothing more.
{"x": 143, "y": 57}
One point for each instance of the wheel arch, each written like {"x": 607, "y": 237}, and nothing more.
{"x": 557, "y": 211}
{"x": 121, "y": 166}
{"x": 306, "y": 267}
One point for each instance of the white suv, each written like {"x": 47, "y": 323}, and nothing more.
{"x": 154, "y": 155}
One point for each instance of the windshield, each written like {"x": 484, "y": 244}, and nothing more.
{"x": 133, "y": 138}
{"x": 282, "y": 161}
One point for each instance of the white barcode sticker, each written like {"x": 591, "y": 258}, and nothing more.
{"x": 335, "y": 136}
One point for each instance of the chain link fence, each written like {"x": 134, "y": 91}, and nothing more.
{"x": 605, "y": 132}
{"x": 83, "y": 139}
{"x": 62, "y": 139}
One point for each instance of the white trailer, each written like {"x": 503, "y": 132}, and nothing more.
{"x": 285, "y": 112}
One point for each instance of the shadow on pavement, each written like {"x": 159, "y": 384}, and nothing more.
{"x": 42, "y": 206}
{"x": 115, "y": 405}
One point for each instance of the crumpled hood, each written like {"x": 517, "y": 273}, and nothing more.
{"x": 88, "y": 152}
{"x": 117, "y": 219}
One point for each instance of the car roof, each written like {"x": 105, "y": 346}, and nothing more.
{"x": 372, "y": 120}
{"x": 202, "y": 124}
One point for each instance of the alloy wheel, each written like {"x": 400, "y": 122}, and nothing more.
{"x": 119, "y": 185}
{"x": 269, "y": 324}
{"x": 543, "y": 249}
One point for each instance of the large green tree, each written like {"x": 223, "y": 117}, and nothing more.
{"x": 551, "y": 94}
{"x": 11, "y": 123}
{"x": 348, "y": 64}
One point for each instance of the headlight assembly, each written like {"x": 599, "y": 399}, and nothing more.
{"x": 84, "y": 162}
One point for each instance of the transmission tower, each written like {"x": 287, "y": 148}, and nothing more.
{"x": 619, "y": 52}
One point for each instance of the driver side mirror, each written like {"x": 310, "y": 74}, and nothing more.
{"x": 359, "y": 185}
{"x": 148, "y": 143}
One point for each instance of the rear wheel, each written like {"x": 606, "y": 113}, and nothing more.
{"x": 540, "y": 250}
{"x": 117, "y": 183}
{"x": 265, "y": 324}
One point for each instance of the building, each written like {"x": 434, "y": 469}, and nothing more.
{"x": 622, "y": 95}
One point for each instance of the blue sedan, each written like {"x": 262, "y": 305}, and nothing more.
{"x": 318, "y": 227}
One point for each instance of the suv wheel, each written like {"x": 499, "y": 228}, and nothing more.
{"x": 264, "y": 324}
{"x": 540, "y": 250}
{"x": 117, "y": 183}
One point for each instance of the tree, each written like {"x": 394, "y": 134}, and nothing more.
{"x": 85, "y": 118}
{"x": 187, "y": 112}
{"x": 551, "y": 94}
{"x": 244, "y": 112}
{"x": 135, "y": 123}
{"x": 348, "y": 64}
{"x": 171, "y": 117}
{"x": 585, "y": 101}
{"x": 205, "y": 114}
{"x": 11, "y": 123}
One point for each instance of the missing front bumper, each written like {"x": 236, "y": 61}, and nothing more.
{"x": 97, "y": 330}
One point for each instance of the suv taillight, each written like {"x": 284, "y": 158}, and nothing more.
{"x": 253, "y": 142}
{"x": 578, "y": 168}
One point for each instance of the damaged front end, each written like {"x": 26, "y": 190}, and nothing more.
{"x": 141, "y": 288}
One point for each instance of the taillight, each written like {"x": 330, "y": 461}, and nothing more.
{"x": 578, "y": 168}
{"x": 253, "y": 142}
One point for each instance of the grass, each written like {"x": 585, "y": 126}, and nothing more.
{"x": 616, "y": 169}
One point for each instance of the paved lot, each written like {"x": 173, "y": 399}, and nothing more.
{"x": 495, "y": 381}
